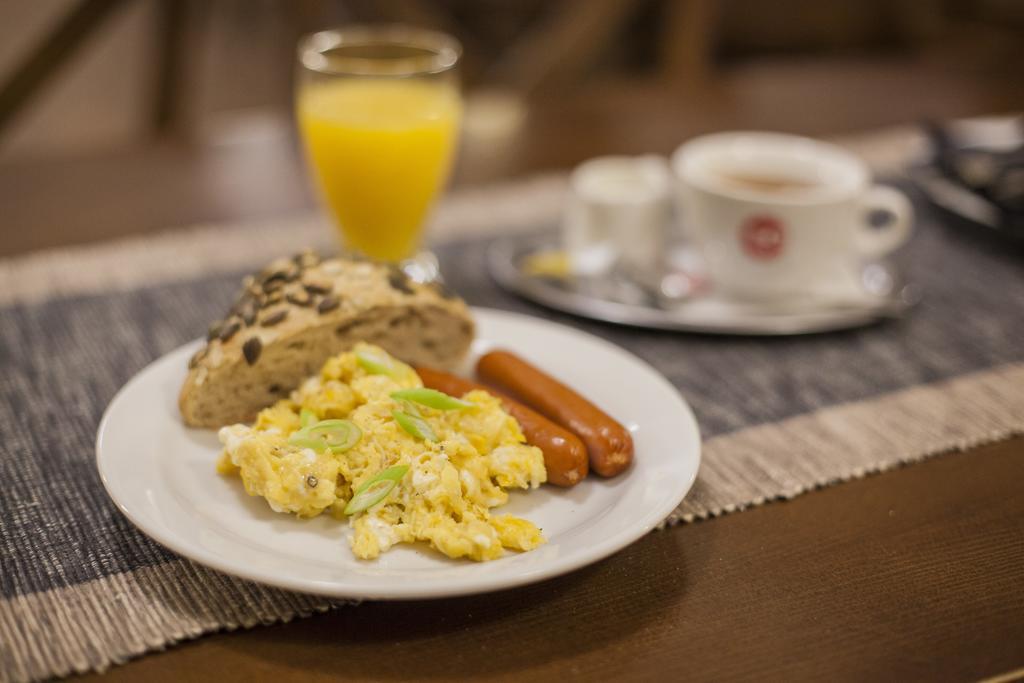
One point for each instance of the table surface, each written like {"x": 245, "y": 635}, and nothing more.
{"x": 913, "y": 574}
{"x": 910, "y": 575}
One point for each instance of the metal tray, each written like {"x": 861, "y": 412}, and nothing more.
{"x": 615, "y": 298}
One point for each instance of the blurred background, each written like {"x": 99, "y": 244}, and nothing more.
{"x": 122, "y": 116}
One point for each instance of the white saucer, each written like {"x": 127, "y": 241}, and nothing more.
{"x": 161, "y": 476}
{"x": 617, "y": 299}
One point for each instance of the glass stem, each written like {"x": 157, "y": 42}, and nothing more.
{"x": 423, "y": 267}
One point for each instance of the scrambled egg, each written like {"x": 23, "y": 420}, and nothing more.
{"x": 444, "y": 497}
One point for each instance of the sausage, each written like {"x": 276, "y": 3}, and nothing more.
{"x": 608, "y": 443}
{"x": 565, "y": 457}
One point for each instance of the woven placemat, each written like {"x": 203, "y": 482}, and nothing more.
{"x": 82, "y": 589}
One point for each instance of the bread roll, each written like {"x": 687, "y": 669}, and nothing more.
{"x": 296, "y": 313}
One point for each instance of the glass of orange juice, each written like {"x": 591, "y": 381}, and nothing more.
{"x": 379, "y": 110}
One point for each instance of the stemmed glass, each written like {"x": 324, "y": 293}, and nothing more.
{"x": 379, "y": 110}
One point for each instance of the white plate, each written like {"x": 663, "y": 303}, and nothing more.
{"x": 161, "y": 475}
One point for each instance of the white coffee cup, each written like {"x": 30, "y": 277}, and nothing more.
{"x": 618, "y": 211}
{"x": 784, "y": 217}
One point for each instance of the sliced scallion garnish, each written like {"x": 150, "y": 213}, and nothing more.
{"x": 336, "y": 435}
{"x": 431, "y": 398}
{"x": 339, "y": 435}
{"x": 307, "y": 418}
{"x": 410, "y": 407}
{"x": 374, "y": 490}
{"x": 374, "y": 363}
{"x": 415, "y": 426}
{"x": 378, "y": 363}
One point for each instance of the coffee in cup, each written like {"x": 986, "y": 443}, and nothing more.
{"x": 769, "y": 184}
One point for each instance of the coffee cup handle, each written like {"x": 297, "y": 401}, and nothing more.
{"x": 886, "y": 216}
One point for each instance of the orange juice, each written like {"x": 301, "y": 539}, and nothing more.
{"x": 382, "y": 150}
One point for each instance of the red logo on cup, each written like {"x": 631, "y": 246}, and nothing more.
{"x": 762, "y": 237}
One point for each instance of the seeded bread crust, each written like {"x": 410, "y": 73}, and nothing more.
{"x": 298, "y": 312}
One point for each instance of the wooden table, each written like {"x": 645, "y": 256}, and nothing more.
{"x": 911, "y": 575}
{"x": 917, "y": 574}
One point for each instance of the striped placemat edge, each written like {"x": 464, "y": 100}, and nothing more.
{"x": 157, "y": 606}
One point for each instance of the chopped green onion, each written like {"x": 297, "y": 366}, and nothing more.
{"x": 410, "y": 407}
{"x": 416, "y": 426}
{"x": 336, "y": 435}
{"x": 339, "y": 435}
{"x": 374, "y": 490}
{"x": 374, "y": 363}
{"x": 307, "y": 418}
{"x": 381, "y": 364}
{"x": 431, "y": 398}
